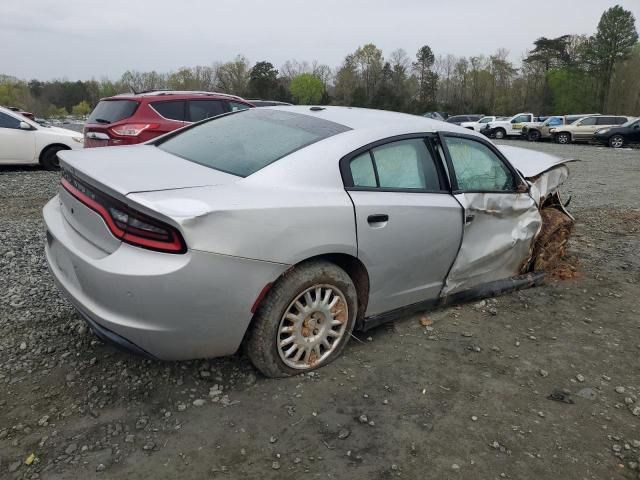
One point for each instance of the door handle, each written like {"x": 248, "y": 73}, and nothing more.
{"x": 377, "y": 218}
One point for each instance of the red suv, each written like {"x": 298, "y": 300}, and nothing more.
{"x": 135, "y": 118}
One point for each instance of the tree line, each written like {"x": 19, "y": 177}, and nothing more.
{"x": 566, "y": 74}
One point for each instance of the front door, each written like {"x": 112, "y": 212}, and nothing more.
{"x": 16, "y": 145}
{"x": 408, "y": 225}
{"x": 585, "y": 128}
{"x": 501, "y": 219}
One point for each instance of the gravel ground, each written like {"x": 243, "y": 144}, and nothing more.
{"x": 459, "y": 393}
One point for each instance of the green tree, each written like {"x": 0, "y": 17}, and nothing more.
{"x": 263, "y": 80}
{"x": 613, "y": 41}
{"x": 233, "y": 77}
{"x": 427, "y": 78}
{"x": 307, "y": 89}
{"x": 82, "y": 109}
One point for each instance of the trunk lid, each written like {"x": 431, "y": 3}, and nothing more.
{"x": 139, "y": 168}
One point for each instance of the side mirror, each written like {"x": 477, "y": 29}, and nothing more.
{"x": 636, "y": 126}
{"x": 522, "y": 188}
{"x": 25, "y": 126}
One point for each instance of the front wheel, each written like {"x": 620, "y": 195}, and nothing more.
{"x": 616, "y": 141}
{"x": 304, "y": 321}
{"x": 500, "y": 133}
{"x": 563, "y": 138}
{"x": 49, "y": 159}
{"x": 533, "y": 136}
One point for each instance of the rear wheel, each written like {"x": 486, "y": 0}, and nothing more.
{"x": 533, "y": 135}
{"x": 563, "y": 138}
{"x": 49, "y": 158}
{"x": 304, "y": 321}
{"x": 616, "y": 141}
{"x": 500, "y": 133}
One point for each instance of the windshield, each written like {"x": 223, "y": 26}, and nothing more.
{"x": 109, "y": 111}
{"x": 553, "y": 121}
{"x": 242, "y": 143}
{"x": 485, "y": 120}
{"x": 631, "y": 122}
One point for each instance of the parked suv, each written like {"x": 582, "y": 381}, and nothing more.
{"x": 542, "y": 130}
{"x": 617, "y": 137}
{"x": 135, "y": 118}
{"x": 582, "y": 130}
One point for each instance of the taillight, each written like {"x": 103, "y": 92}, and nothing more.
{"x": 133, "y": 129}
{"x": 125, "y": 223}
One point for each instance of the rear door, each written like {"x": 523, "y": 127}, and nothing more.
{"x": 16, "y": 145}
{"x": 500, "y": 217}
{"x": 202, "y": 109}
{"x": 408, "y": 224}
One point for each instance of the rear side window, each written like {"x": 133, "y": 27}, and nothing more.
{"x": 605, "y": 121}
{"x": 405, "y": 164}
{"x": 245, "y": 142}
{"x": 171, "y": 110}
{"x": 202, "y": 109}
{"x": 109, "y": 111}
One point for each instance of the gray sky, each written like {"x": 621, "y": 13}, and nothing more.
{"x": 81, "y": 39}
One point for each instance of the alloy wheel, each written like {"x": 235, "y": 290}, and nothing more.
{"x": 312, "y": 326}
{"x": 616, "y": 141}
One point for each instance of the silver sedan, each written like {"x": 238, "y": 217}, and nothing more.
{"x": 283, "y": 229}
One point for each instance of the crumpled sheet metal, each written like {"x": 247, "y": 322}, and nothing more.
{"x": 494, "y": 245}
{"x": 548, "y": 183}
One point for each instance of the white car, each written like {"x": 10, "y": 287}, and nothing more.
{"x": 23, "y": 141}
{"x": 480, "y": 124}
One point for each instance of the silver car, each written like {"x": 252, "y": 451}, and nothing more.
{"x": 282, "y": 229}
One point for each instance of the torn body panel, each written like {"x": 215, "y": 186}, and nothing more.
{"x": 505, "y": 233}
{"x": 497, "y": 239}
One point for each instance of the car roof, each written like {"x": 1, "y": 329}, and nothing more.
{"x": 365, "y": 118}
{"x": 174, "y": 94}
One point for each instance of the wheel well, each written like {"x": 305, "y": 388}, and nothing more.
{"x": 354, "y": 268}
{"x": 49, "y": 147}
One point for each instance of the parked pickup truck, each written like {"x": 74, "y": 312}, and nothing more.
{"x": 510, "y": 127}
{"x": 542, "y": 130}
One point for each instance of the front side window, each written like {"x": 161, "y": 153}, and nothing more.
{"x": 477, "y": 168}
{"x": 405, "y": 164}
{"x": 620, "y": 120}
{"x": 486, "y": 120}
{"x": 588, "y": 122}
{"x": 554, "y": 122}
{"x": 201, "y": 109}
{"x": 7, "y": 121}
{"x": 245, "y": 142}
{"x": 520, "y": 119}
{"x": 173, "y": 110}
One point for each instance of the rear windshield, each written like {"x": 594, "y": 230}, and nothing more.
{"x": 242, "y": 143}
{"x": 109, "y": 111}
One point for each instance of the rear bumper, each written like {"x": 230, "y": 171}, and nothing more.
{"x": 167, "y": 306}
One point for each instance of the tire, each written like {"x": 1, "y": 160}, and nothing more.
{"x": 616, "y": 141}
{"x": 533, "y": 135}
{"x": 563, "y": 138}
{"x": 49, "y": 158}
{"x": 500, "y": 133}
{"x": 276, "y": 322}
